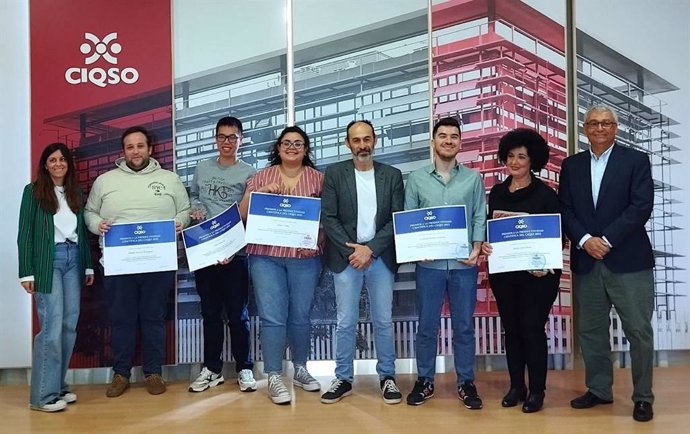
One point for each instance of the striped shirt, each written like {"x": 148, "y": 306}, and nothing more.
{"x": 309, "y": 185}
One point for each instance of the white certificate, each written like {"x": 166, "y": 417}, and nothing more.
{"x": 215, "y": 239}
{"x": 525, "y": 242}
{"x": 431, "y": 233}
{"x": 144, "y": 247}
{"x": 279, "y": 220}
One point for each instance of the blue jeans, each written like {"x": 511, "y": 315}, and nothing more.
{"x": 461, "y": 286}
{"x": 284, "y": 290}
{"x": 138, "y": 300}
{"x": 348, "y": 287}
{"x": 58, "y": 313}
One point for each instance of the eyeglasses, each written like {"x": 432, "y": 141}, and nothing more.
{"x": 596, "y": 124}
{"x": 232, "y": 138}
{"x": 297, "y": 144}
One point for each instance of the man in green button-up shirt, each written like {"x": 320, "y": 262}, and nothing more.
{"x": 446, "y": 182}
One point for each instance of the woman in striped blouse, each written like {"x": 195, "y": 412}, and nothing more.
{"x": 54, "y": 257}
{"x": 285, "y": 278}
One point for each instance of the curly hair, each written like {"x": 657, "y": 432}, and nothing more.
{"x": 536, "y": 145}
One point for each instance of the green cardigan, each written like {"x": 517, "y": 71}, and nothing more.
{"x": 36, "y": 242}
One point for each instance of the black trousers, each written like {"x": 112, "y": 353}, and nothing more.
{"x": 225, "y": 286}
{"x": 524, "y": 302}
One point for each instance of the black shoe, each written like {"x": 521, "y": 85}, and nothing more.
{"x": 533, "y": 403}
{"x": 643, "y": 411}
{"x": 338, "y": 390}
{"x": 467, "y": 392}
{"x": 421, "y": 391}
{"x": 588, "y": 400}
{"x": 514, "y": 395}
{"x": 389, "y": 390}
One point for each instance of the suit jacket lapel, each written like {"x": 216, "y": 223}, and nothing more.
{"x": 351, "y": 184}
{"x": 585, "y": 168}
{"x": 379, "y": 181}
{"x": 609, "y": 173}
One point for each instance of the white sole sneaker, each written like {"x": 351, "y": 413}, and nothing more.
{"x": 58, "y": 405}
{"x": 246, "y": 387}
{"x": 69, "y": 397}
{"x": 281, "y": 399}
{"x": 309, "y": 387}
{"x": 217, "y": 382}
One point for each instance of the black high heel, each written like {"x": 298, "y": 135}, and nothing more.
{"x": 514, "y": 395}
{"x": 533, "y": 403}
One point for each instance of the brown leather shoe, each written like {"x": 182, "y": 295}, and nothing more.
{"x": 154, "y": 384}
{"x": 118, "y": 386}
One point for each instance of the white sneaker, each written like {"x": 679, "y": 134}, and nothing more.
{"x": 304, "y": 379}
{"x": 68, "y": 397}
{"x": 277, "y": 391}
{"x": 52, "y": 406}
{"x": 206, "y": 379}
{"x": 246, "y": 380}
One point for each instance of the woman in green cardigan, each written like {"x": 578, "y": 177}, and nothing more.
{"x": 53, "y": 258}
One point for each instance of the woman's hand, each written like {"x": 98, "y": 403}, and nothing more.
{"x": 104, "y": 226}
{"x": 487, "y": 249}
{"x": 307, "y": 253}
{"x": 273, "y": 188}
{"x": 226, "y": 260}
{"x": 28, "y": 286}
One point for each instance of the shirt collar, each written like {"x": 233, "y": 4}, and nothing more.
{"x": 604, "y": 155}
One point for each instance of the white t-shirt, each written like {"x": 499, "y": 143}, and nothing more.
{"x": 366, "y": 205}
{"x": 65, "y": 220}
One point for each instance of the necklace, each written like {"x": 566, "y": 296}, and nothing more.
{"x": 514, "y": 186}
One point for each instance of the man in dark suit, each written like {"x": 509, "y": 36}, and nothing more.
{"x": 607, "y": 195}
{"x": 357, "y": 202}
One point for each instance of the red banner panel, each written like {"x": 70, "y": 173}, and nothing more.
{"x": 97, "y": 68}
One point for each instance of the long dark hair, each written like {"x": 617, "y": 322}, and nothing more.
{"x": 274, "y": 157}
{"x": 44, "y": 187}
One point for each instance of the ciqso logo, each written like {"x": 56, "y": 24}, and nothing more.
{"x": 95, "y": 49}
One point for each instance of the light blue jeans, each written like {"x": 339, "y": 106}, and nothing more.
{"x": 284, "y": 290}
{"x": 461, "y": 287}
{"x": 348, "y": 287}
{"x": 58, "y": 313}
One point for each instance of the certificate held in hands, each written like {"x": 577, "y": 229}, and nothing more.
{"x": 286, "y": 221}
{"x": 145, "y": 247}
{"x": 215, "y": 239}
{"x": 525, "y": 242}
{"x": 431, "y": 233}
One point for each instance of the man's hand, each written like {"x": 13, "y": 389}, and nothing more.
{"x": 474, "y": 255}
{"x": 88, "y": 279}
{"x": 596, "y": 247}
{"x": 178, "y": 228}
{"x": 361, "y": 257}
{"x": 197, "y": 214}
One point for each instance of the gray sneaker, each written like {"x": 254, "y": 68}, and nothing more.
{"x": 277, "y": 391}
{"x": 304, "y": 379}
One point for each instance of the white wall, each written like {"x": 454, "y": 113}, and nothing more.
{"x": 15, "y": 304}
